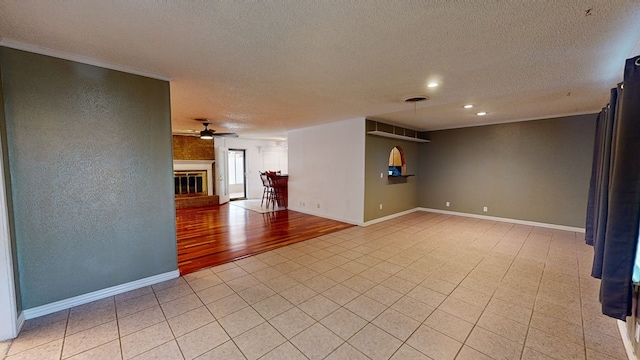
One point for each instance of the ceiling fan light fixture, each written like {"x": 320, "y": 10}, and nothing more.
{"x": 206, "y": 134}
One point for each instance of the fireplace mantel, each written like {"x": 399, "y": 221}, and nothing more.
{"x": 197, "y": 165}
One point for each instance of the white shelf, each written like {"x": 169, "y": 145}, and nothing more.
{"x": 396, "y": 136}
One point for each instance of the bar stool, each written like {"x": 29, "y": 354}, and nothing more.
{"x": 279, "y": 185}
{"x": 273, "y": 198}
{"x": 267, "y": 190}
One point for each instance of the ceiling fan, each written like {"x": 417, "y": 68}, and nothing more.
{"x": 209, "y": 134}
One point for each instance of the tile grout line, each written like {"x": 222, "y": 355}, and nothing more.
{"x": 64, "y": 334}
{"x": 526, "y": 334}
{"x": 475, "y": 324}
{"x": 115, "y": 303}
{"x": 168, "y": 324}
{"x": 554, "y": 243}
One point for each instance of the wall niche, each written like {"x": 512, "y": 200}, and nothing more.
{"x": 397, "y": 164}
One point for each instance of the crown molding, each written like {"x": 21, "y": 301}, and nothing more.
{"x": 79, "y": 58}
{"x": 545, "y": 117}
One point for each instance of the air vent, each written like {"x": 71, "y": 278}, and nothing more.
{"x": 396, "y": 132}
{"x": 415, "y": 99}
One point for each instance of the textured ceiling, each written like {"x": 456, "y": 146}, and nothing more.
{"x": 262, "y": 68}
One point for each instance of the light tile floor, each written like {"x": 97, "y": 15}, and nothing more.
{"x": 422, "y": 286}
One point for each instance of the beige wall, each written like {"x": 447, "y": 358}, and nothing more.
{"x": 79, "y": 139}
{"x": 395, "y": 195}
{"x": 534, "y": 170}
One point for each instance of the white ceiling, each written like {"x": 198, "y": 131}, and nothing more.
{"x": 261, "y": 68}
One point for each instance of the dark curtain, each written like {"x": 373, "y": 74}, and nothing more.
{"x": 613, "y": 210}
{"x": 592, "y": 203}
{"x": 600, "y": 185}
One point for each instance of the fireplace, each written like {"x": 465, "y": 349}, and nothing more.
{"x": 190, "y": 183}
{"x": 193, "y": 178}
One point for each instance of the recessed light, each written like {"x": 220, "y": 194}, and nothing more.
{"x": 433, "y": 84}
{"x": 481, "y": 113}
{"x": 468, "y": 106}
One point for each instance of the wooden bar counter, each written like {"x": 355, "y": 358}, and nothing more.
{"x": 280, "y": 188}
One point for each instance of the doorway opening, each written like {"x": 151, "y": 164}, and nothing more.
{"x": 237, "y": 174}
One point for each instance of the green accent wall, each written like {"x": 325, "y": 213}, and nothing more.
{"x": 532, "y": 170}
{"x": 397, "y": 194}
{"x": 90, "y": 164}
{"x": 7, "y": 184}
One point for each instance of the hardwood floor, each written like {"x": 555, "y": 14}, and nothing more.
{"x": 213, "y": 235}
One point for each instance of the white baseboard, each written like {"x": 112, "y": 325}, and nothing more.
{"x": 626, "y": 340}
{"x": 323, "y": 215}
{"x": 97, "y": 295}
{"x": 20, "y": 322}
{"x": 508, "y": 220}
{"x": 446, "y": 212}
{"x": 389, "y": 217}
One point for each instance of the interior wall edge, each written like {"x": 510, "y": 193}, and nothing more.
{"x": 21, "y": 320}
{"x": 10, "y": 310}
{"x": 10, "y": 324}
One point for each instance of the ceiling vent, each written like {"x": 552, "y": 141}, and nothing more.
{"x": 416, "y": 99}
{"x": 396, "y": 132}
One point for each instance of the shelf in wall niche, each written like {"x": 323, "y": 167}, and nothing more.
{"x": 399, "y": 176}
{"x": 396, "y": 136}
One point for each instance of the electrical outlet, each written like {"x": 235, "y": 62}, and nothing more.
{"x": 447, "y": 204}
{"x": 485, "y": 209}
{"x": 381, "y": 175}
{"x": 380, "y": 206}
{"x": 318, "y": 205}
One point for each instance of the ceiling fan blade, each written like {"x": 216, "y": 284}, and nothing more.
{"x": 208, "y": 131}
{"x": 234, "y": 135}
{"x": 186, "y": 133}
